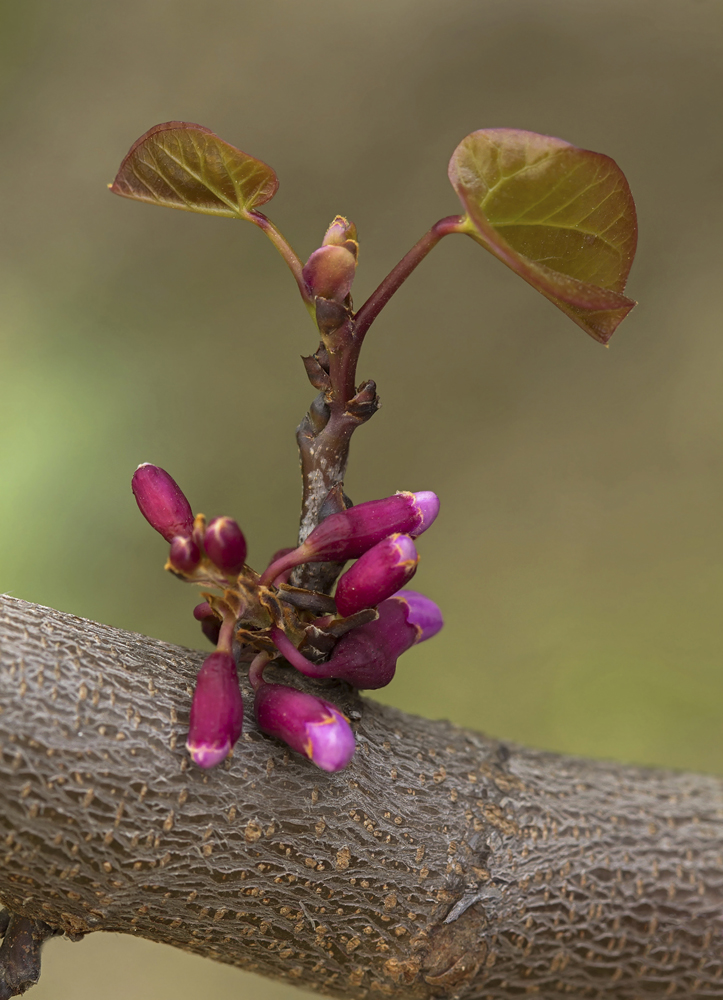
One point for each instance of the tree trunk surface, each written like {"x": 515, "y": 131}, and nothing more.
{"x": 440, "y": 863}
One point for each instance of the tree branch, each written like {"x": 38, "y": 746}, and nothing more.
{"x": 439, "y": 863}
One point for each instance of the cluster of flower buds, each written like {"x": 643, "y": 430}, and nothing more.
{"x": 220, "y": 545}
{"x": 356, "y": 636}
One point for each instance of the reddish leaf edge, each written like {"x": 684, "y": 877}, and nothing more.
{"x": 598, "y": 311}
{"x": 595, "y": 309}
{"x": 163, "y": 127}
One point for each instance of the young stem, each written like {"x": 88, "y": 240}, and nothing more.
{"x": 366, "y": 315}
{"x": 323, "y": 438}
{"x": 286, "y": 251}
{"x": 324, "y": 435}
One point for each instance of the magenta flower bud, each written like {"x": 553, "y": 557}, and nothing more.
{"x": 225, "y": 545}
{"x": 422, "y": 613}
{"x": 379, "y": 573}
{"x": 367, "y": 656}
{"x": 210, "y": 622}
{"x": 161, "y": 501}
{"x": 307, "y": 724}
{"x": 329, "y": 272}
{"x": 350, "y": 533}
{"x": 428, "y": 507}
{"x": 185, "y": 555}
{"x": 216, "y": 711}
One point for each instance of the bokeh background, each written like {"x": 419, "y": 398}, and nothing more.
{"x": 578, "y": 555}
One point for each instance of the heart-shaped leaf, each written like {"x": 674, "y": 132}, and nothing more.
{"x": 186, "y": 166}
{"x": 563, "y": 218}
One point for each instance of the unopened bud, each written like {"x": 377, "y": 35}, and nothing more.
{"x": 225, "y": 545}
{"x": 308, "y": 724}
{"x": 422, "y": 613}
{"x": 340, "y": 233}
{"x": 216, "y": 711}
{"x": 161, "y": 501}
{"x": 210, "y": 622}
{"x": 350, "y": 533}
{"x": 367, "y": 656}
{"x": 329, "y": 272}
{"x": 428, "y": 507}
{"x": 185, "y": 555}
{"x": 380, "y": 572}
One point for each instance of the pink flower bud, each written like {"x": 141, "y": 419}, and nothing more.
{"x": 428, "y": 507}
{"x": 329, "y": 272}
{"x": 308, "y": 724}
{"x": 225, "y": 545}
{"x": 185, "y": 555}
{"x": 216, "y": 711}
{"x": 161, "y": 501}
{"x": 366, "y": 657}
{"x": 350, "y": 533}
{"x": 422, "y": 613}
{"x": 379, "y": 573}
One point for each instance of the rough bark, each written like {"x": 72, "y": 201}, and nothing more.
{"x": 440, "y": 863}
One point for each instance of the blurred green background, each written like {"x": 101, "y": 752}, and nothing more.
{"x": 578, "y": 556}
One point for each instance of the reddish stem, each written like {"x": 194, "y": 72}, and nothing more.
{"x": 297, "y": 660}
{"x": 366, "y": 315}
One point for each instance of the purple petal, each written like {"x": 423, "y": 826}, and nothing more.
{"x": 332, "y": 741}
{"x": 423, "y": 614}
{"x": 428, "y": 507}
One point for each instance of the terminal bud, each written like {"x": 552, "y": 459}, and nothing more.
{"x": 342, "y": 233}
{"x": 161, "y": 501}
{"x": 309, "y": 725}
{"x": 329, "y": 272}
{"x": 378, "y": 574}
{"x": 216, "y": 711}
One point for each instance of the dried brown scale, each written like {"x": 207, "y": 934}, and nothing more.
{"x": 562, "y": 876}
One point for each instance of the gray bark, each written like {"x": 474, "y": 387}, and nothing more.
{"x": 439, "y": 863}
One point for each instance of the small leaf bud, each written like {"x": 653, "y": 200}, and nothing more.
{"x": 216, "y": 711}
{"x": 225, "y": 545}
{"x": 329, "y": 272}
{"x": 162, "y": 502}
{"x": 377, "y": 575}
{"x": 309, "y": 725}
{"x": 185, "y": 555}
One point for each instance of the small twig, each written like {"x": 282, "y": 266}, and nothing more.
{"x": 20, "y": 954}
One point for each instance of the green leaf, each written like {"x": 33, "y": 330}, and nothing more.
{"x": 563, "y": 218}
{"x": 186, "y": 166}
